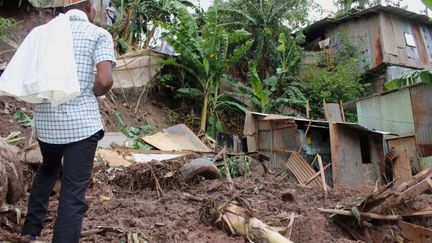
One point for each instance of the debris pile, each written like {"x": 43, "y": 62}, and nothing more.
{"x": 383, "y": 206}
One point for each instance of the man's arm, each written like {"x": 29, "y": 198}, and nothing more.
{"x": 104, "y": 80}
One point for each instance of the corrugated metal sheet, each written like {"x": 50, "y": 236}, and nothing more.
{"x": 394, "y": 72}
{"x": 390, "y": 112}
{"x": 421, "y": 99}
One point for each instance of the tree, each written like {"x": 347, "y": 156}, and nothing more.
{"x": 342, "y": 83}
{"x": 141, "y": 18}
{"x": 204, "y": 56}
{"x": 263, "y": 92}
{"x": 265, "y": 20}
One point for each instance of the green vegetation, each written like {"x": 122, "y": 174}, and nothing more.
{"x": 239, "y": 55}
{"x": 135, "y": 133}
{"x": 205, "y": 58}
{"x": 237, "y": 165}
{"x": 341, "y": 83}
{"x": 5, "y": 26}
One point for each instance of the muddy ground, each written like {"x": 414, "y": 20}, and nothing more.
{"x": 175, "y": 218}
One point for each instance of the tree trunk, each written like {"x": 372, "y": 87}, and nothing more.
{"x": 204, "y": 112}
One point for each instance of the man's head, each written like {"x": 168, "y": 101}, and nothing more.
{"x": 110, "y": 4}
{"x": 84, "y": 5}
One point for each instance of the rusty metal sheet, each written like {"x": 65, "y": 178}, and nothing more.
{"x": 375, "y": 40}
{"x": 301, "y": 169}
{"x": 348, "y": 167}
{"x": 428, "y": 40}
{"x": 388, "y": 35}
{"x": 176, "y": 138}
{"x": 421, "y": 46}
{"x": 421, "y": 99}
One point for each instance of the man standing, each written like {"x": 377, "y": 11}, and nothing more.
{"x": 71, "y": 131}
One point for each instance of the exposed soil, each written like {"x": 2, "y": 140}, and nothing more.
{"x": 174, "y": 218}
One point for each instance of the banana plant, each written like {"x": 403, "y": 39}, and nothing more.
{"x": 264, "y": 92}
{"x": 205, "y": 55}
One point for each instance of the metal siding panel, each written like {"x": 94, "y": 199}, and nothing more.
{"x": 391, "y": 112}
{"x": 421, "y": 99}
{"x": 397, "y": 113}
{"x": 369, "y": 113}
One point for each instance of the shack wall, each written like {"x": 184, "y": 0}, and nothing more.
{"x": 347, "y": 164}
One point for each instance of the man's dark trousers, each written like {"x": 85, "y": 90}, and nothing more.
{"x": 76, "y": 173}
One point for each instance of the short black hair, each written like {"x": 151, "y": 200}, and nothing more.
{"x": 80, "y": 6}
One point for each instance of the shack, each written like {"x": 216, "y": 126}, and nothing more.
{"x": 355, "y": 152}
{"x": 407, "y": 112}
{"x": 392, "y": 40}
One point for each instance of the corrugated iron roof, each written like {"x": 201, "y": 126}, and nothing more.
{"x": 403, "y": 13}
{"x": 319, "y": 122}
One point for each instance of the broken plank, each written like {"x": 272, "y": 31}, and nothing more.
{"x": 415, "y": 233}
{"x": 362, "y": 214}
{"x": 324, "y": 183}
{"x": 399, "y": 198}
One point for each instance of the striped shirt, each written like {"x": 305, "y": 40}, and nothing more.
{"x": 79, "y": 118}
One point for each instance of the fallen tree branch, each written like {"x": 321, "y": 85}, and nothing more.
{"x": 192, "y": 197}
{"x": 365, "y": 215}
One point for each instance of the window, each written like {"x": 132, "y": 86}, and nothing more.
{"x": 409, "y": 39}
{"x": 364, "y": 147}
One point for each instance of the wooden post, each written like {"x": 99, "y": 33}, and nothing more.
{"x": 322, "y": 176}
{"x": 307, "y": 109}
{"x": 342, "y": 110}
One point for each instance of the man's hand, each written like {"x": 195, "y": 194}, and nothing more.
{"x": 104, "y": 80}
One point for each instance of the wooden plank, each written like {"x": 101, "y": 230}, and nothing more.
{"x": 409, "y": 145}
{"x": 324, "y": 183}
{"x": 402, "y": 168}
{"x": 415, "y": 233}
